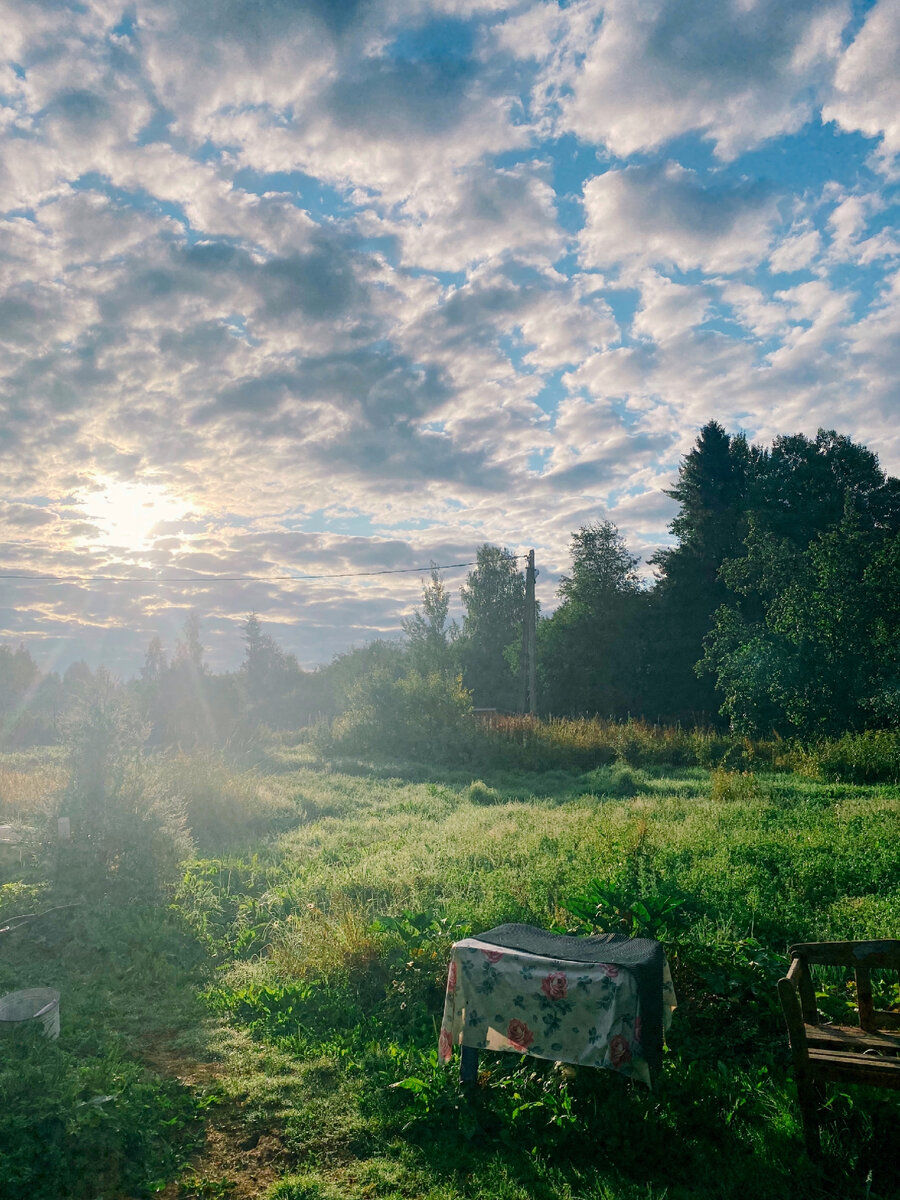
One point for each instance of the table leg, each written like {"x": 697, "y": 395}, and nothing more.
{"x": 468, "y": 1065}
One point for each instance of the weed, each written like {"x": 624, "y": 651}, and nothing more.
{"x": 478, "y": 792}
{"x": 197, "y": 1187}
{"x": 83, "y": 1128}
{"x": 728, "y": 785}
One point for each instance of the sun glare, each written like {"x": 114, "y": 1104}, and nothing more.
{"x": 127, "y": 513}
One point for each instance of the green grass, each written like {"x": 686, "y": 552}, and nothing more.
{"x": 302, "y": 955}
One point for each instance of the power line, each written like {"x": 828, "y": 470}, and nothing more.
{"x": 201, "y": 579}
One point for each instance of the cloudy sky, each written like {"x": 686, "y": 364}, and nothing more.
{"x": 294, "y": 287}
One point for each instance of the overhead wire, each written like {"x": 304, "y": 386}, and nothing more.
{"x": 206, "y": 579}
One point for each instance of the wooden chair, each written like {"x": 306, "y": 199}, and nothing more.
{"x": 865, "y": 1053}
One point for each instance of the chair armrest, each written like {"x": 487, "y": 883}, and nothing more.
{"x": 793, "y": 1016}
{"x": 798, "y": 974}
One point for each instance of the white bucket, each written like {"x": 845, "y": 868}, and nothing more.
{"x": 32, "y": 1004}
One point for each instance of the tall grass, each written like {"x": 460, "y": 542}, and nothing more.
{"x": 30, "y": 786}
{"x": 560, "y": 742}
{"x": 571, "y": 744}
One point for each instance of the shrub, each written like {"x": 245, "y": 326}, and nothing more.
{"x": 732, "y": 785}
{"x": 478, "y": 792}
{"x": 128, "y": 825}
{"x": 425, "y": 717}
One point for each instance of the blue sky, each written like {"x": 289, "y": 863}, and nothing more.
{"x": 309, "y": 287}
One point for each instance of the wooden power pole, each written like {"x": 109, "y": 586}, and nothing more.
{"x": 529, "y": 642}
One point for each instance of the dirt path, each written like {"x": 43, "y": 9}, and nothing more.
{"x": 234, "y": 1163}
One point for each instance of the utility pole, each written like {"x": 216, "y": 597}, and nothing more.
{"x": 529, "y": 642}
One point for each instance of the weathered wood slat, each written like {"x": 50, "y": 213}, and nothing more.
{"x": 884, "y": 952}
{"x": 851, "y": 1037}
{"x": 845, "y": 1067}
{"x": 864, "y": 1000}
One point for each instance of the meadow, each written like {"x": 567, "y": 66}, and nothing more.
{"x": 258, "y": 1019}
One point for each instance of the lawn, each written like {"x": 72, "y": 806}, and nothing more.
{"x": 240, "y": 1033}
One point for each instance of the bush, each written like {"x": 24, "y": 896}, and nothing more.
{"x": 732, "y": 786}
{"x": 418, "y": 716}
{"x": 128, "y": 825}
{"x": 478, "y": 792}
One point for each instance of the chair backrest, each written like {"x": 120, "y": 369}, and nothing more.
{"x": 863, "y": 958}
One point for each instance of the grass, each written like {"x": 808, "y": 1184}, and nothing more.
{"x": 294, "y": 972}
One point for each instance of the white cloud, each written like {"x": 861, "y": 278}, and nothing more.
{"x": 264, "y": 256}
{"x": 482, "y": 214}
{"x": 738, "y": 73}
{"x": 666, "y": 215}
{"x": 797, "y": 252}
{"x": 866, "y": 93}
{"x": 669, "y": 309}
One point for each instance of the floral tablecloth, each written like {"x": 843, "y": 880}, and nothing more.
{"x": 575, "y": 1012}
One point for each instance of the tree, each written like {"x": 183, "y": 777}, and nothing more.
{"x": 494, "y": 600}
{"x": 154, "y": 662}
{"x": 820, "y": 658}
{"x": 184, "y": 711}
{"x": 189, "y": 650}
{"x": 589, "y": 654}
{"x": 804, "y": 485}
{"x": 272, "y": 679}
{"x": 265, "y": 664}
{"x": 427, "y": 631}
{"x": 711, "y": 523}
{"x": 23, "y": 720}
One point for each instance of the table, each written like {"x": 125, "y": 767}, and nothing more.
{"x": 558, "y": 1008}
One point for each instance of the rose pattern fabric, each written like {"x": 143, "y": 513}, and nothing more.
{"x": 619, "y": 1051}
{"x": 555, "y": 986}
{"x": 519, "y": 1034}
{"x": 584, "y": 1013}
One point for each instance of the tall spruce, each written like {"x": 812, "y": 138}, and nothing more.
{"x": 493, "y": 597}
{"x": 428, "y": 632}
{"x": 711, "y": 524}
{"x": 589, "y": 649}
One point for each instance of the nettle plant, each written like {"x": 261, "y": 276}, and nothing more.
{"x": 633, "y": 900}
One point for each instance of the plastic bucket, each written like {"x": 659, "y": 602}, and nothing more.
{"x": 32, "y": 1004}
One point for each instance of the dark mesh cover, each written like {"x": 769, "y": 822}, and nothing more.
{"x": 644, "y": 957}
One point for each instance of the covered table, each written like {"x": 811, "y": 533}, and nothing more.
{"x": 597, "y": 1001}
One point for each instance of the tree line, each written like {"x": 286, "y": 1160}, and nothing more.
{"x": 775, "y": 609}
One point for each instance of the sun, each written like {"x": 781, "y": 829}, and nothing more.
{"x": 126, "y": 514}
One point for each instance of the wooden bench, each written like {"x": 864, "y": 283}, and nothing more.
{"x": 864, "y": 1053}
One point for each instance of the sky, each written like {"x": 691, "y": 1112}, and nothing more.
{"x": 319, "y": 287}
